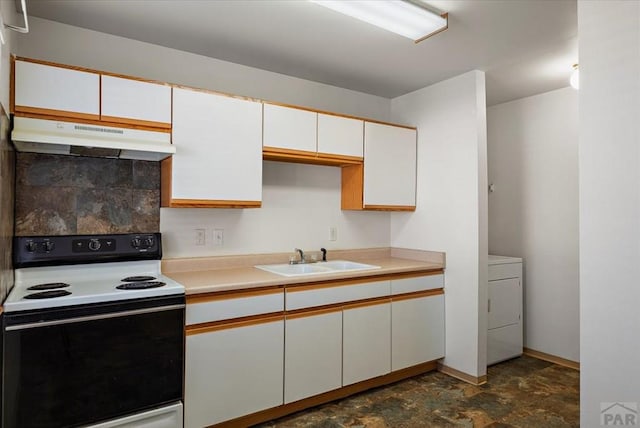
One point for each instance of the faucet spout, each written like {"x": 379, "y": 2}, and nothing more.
{"x": 299, "y": 251}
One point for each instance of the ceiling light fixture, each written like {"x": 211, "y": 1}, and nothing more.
{"x": 406, "y": 18}
{"x": 575, "y": 77}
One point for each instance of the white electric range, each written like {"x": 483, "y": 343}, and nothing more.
{"x": 92, "y": 320}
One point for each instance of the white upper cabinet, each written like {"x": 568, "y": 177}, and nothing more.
{"x": 218, "y": 156}
{"x": 340, "y": 135}
{"x": 57, "y": 90}
{"x": 289, "y": 128}
{"x": 389, "y": 166}
{"x": 135, "y": 100}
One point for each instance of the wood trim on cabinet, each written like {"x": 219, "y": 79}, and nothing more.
{"x": 417, "y": 294}
{"x": 367, "y": 302}
{"x": 337, "y": 114}
{"x": 313, "y": 311}
{"x": 211, "y": 203}
{"x": 305, "y": 157}
{"x": 390, "y": 207}
{"x": 233, "y": 294}
{"x": 166, "y": 168}
{"x": 147, "y": 123}
{"x": 294, "y": 288}
{"x": 416, "y": 274}
{"x": 211, "y": 91}
{"x": 95, "y": 122}
{"x": 336, "y": 394}
{"x": 57, "y": 114}
{"x": 352, "y": 185}
{"x": 209, "y": 327}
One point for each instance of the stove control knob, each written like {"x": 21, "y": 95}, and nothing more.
{"x": 48, "y": 246}
{"x": 148, "y": 242}
{"x": 135, "y": 243}
{"x": 94, "y": 245}
{"x": 31, "y": 247}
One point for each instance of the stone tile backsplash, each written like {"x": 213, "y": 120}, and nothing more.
{"x": 69, "y": 195}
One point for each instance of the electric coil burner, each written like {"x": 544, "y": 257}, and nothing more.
{"x": 140, "y": 285}
{"x": 48, "y": 286}
{"x": 92, "y": 320}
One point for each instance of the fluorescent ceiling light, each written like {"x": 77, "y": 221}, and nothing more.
{"x": 401, "y": 17}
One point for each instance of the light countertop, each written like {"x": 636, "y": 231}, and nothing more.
{"x": 210, "y": 276}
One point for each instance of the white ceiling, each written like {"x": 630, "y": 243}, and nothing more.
{"x": 525, "y": 46}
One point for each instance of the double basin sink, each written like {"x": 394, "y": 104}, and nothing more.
{"x": 334, "y": 266}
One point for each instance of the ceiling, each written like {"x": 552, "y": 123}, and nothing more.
{"x": 525, "y": 46}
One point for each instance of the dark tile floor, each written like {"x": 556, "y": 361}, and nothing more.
{"x": 524, "y": 392}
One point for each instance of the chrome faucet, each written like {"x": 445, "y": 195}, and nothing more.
{"x": 302, "y": 260}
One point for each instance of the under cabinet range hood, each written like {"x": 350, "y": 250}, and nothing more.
{"x": 68, "y": 138}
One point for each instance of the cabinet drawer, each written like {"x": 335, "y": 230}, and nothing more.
{"x": 307, "y": 298}
{"x": 419, "y": 283}
{"x": 503, "y": 271}
{"x": 235, "y": 306}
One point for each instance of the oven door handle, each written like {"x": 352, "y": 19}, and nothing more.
{"x": 94, "y": 317}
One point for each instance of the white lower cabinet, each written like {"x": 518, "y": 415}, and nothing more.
{"x": 232, "y": 372}
{"x": 417, "y": 331}
{"x": 366, "y": 341}
{"x": 313, "y": 354}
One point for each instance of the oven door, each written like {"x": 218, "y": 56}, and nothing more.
{"x": 75, "y": 366}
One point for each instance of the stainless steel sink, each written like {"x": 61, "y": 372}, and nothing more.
{"x": 319, "y": 268}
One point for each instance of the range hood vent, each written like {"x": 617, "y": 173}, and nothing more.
{"x": 67, "y": 138}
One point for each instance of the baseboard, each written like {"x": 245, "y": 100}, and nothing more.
{"x": 474, "y": 380}
{"x": 552, "y": 358}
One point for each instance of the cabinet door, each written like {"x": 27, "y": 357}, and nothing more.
{"x": 128, "y": 100}
{"x": 218, "y": 143}
{"x": 417, "y": 331}
{"x": 389, "y": 166}
{"x": 340, "y": 135}
{"x": 233, "y": 372}
{"x": 505, "y": 302}
{"x": 289, "y": 128}
{"x": 366, "y": 342}
{"x": 56, "y": 91}
{"x": 313, "y": 354}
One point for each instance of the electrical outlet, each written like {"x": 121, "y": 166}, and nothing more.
{"x": 333, "y": 233}
{"x": 218, "y": 237}
{"x": 201, "y": 236}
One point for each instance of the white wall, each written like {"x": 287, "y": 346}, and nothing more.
{"x": 452, "y": 205}
{"x": 533, "y": 212}
{"x": 299, "y": 205}
{"x": 300, "y": 202}
{"x": 609, "y": 165}
{"x": 53, "y": 41}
